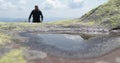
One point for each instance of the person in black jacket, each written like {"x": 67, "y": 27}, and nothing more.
{"x": 37, "y": 15}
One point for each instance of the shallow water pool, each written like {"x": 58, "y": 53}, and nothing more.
{"x": 64, "y": 41}
{"x": 71, "y": 46}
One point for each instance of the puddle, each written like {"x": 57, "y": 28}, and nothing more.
{"x": 64, "y": 41}
{"x": 71, "y": 46}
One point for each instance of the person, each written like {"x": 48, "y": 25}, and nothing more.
{"x": 37, "y": 15}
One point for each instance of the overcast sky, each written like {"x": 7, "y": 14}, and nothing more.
{"x": 50, "y": 8}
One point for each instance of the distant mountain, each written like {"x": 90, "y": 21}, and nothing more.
{"x": 12, "y": 19}
{"x": 52, "y": 19}
{"x": 48, "y": 19}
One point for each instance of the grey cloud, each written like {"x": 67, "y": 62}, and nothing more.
{"x": 75, "y": 5}
{"x": 19, "y": 5}
{"x": 6, "y": 5}
{"x": 56, "y": 4}
{"x": 53, "y": 4}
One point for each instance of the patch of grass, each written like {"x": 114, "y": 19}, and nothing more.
{"x": 90, "y": 23}
{"x": 14, "y": 56}
{"x": 19, "y": 26}
{"x": 107, "y": 15}
{"x": 4, "y": 38}
{"x": 64, "y": 22}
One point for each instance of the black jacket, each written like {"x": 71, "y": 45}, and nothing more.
{"x": 37, "y": 16}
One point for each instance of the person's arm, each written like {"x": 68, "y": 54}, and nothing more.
{"x": 30, "y": 16}
{"x": 41, "y": 16}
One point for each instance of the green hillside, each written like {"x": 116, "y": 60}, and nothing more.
{"x": 107, "y": 15}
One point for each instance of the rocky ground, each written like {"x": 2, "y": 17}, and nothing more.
{"x": 112, "y": 57}
{"x": 19, "y": 45}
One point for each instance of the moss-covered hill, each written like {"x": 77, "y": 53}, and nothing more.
{"x": 107, "y": 15}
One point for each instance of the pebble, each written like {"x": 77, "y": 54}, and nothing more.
{"x": 117, "y": 59}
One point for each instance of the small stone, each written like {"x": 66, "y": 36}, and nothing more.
{"x": 101, "y": 62}
{"x": 117, "y": 59}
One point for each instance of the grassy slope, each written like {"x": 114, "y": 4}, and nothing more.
{"x": 107, "y": 15}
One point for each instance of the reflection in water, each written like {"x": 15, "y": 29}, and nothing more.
{"x": 73, "y": 37}
{"x": 71, "y": 46}
{"x": 64, "y": 41}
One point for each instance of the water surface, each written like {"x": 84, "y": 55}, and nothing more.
{"x": 64, "y": 41}
{"x": 71, "y": 46}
